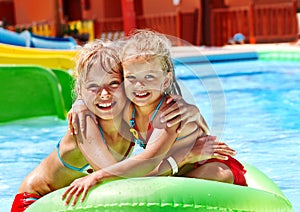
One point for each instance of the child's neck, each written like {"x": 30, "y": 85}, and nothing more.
{"x": 147, "y": 110}
{"x": 111, "y": 127}
{"x": 116, "y": 136}
{"x": 144, "y": 115}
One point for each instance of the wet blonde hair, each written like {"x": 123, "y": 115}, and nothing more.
{"x": 104, "y": 55}
{"x": 148, "y": 45}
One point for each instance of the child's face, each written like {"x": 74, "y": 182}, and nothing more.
{"x": 144, "y": 80}
{"x": 103, "y": 93}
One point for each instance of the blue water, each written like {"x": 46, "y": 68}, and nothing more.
{"x": 252, "y": 105}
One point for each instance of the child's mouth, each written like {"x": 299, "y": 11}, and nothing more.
{"x": 105, "y": 106}
{"x": 141, "y": 94}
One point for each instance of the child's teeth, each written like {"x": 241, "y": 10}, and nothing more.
{"x": 141, "y": 94}
{"x": 105, "y": 105}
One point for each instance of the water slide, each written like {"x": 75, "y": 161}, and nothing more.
{"x": 49, "y": 61}
{"x": 50, "y": 58}
{"x": 35, "y": 82}
{"x": 28, "y": 39}
{"x": 28, "y": 91}
{"x": 13, "y": 49}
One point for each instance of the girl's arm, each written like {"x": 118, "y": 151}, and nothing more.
{"x": 139, "y": 165}
{"x": 93, "y": 147}
{"x": 178, "y": 111}
{"x": 80, "y": 120}
{"x": 76, "y": 116}
{"x": 82, "y": 123}
{"x": 89, "y": 140}
{"x": 157, "y": 147}
{"x": 204, "y": 148}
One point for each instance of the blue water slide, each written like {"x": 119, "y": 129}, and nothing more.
{"x": 52, "y": 42}
{"x": 13, "y": 38}
{"x": 28, "y": 39}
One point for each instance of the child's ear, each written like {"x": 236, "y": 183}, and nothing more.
{"x": 78, "y": 90}
{"x": 168, "y": 80}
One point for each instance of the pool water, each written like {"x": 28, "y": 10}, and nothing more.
{"x": 262, "y": 114}
{"x": 251, "y": 105}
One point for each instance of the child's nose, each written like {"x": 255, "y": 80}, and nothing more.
{"x": 139, "y": 84}
{"x": 104, "y": 93}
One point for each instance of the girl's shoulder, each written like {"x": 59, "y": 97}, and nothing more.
{"x": 190, "y": 129}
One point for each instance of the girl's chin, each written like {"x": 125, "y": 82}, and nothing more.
{"x": 105, "y": 116}
{"x": 139, "y": 103}
{"x": 108, "y": 115}
{"x": 140, "y": 99}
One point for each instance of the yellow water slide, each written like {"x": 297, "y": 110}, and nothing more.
{"x": 50, "y": 58}
{"x": 12, "y": 49}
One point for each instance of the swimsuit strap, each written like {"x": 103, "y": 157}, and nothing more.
{"x": 128, "y": 150}
{"x": 185, "y": 136}
{"x": 86, "y": 168}
{"x": 153, "y": 115}
{"x": 157, "y": 108}
{"x": 82, "y": 169}
{"x": 104, "y": 140}
{"x": 134, "y": 129}
{"x": 102, "y": 134}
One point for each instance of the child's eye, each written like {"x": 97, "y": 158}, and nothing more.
{"x": 130, "y": 78}
{"x": 114, "y": 84}
{"x": 149, "y": 77}
{"x": 93, "y": 88}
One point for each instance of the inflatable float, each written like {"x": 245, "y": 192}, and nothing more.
{"x": 175, "y": 194}
{"x": 28, "y": 39}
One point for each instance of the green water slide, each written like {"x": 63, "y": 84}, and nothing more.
{"x": 67, "y": 83}
{"x": 28, "y": 91}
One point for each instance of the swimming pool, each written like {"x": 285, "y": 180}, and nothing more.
{"x": 261, "y": 119}
{"x": 252, "y": 105}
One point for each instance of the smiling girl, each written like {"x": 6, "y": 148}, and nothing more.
{"x": 148, "y": 81}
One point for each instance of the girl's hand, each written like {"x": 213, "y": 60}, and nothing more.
{"x": 76, "y": 116}
{"x": 78, "y": 186}
{"x": 179, "y": 111}
{"x": 207, "y": 147}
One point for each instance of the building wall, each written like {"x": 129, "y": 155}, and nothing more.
{"x": 107, "y": 14}
{"x": 103, "y": 10}
{"x": 72, "y": 10}
{"x": 7, "y": 13}
{"x": 28, "y": 11}
{"x": 100, "y": 9}
{"x": 271, "y": 1}
{"x": 155, "y": 6}
{"x": 233, "y": 3}
{"x": 247, "y": 2}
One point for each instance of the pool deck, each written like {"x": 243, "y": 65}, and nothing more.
{"x": 232, "y": 51}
